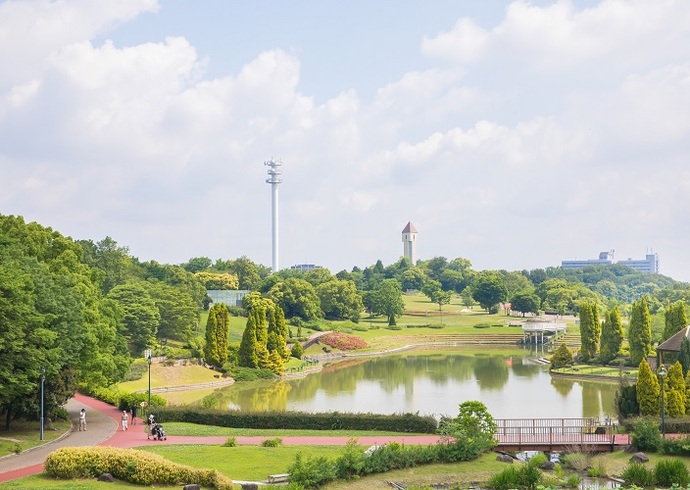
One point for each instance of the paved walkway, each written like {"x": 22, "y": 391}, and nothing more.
{"x": 103, "y": 429}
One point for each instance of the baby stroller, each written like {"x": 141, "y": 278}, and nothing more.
{"x": 156, "y": 432}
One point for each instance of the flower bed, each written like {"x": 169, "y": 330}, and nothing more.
{"x": 343, "y": 341}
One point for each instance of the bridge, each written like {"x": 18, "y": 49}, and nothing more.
{"x": 556, "y": 434}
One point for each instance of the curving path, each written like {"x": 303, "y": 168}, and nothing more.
{"x": 103, "y": 429}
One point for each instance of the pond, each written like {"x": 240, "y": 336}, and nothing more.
{"x": 507, "y": 380}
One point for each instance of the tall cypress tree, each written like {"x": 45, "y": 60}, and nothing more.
{"x": 684, "y": 355}
{"x": 674, "y": 388}
{"x": 611, "y": 335}
{"x": 675, "y": 319}
{"x": 647, "y": 390}
{"x": 640, "y": 331}
{"x": 248, "y": 349}
{"x": 217, "y": 335}
{"x": 589, "y": 331}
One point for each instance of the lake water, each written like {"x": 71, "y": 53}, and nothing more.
{"x": 507, "y": 381}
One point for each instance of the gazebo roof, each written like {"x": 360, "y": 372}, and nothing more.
{"x": 672, "y": 344}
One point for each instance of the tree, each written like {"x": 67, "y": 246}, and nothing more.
{"x": 218, "y": 280}
{"x": 248, "y": 351}
{"x": 412, "y": 279}
{"x": 197, "y": 264}
{"x": 675, "y": 391}
{"x": 217, "y": 335}
{"x": 647, "y": 390}
{"x": 139, "y": 313}
{"x": 611, "y": 336}
{"x": 590, "y": 331}
{"x": 432, "y": 290}
{"x": 297, "y": 351}
{"x": 675, "y": 318}
{"x": 474, "y": 429}
{"x": 340, "y": 300}
{"x": 296, "y": 297}
{"x": 640, "y": 332}
{"x": 488, "y": 290}
{"x": 247, "y": 272}
{"x": 525, "y": 301}
{"x": 562, "y": 357}
{"x": 684, "y": 355}
{"x": 277, "y": 330}
{"x": 178, "y": 312}
{"x": 387, "y": 300}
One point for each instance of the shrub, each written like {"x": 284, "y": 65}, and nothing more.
{"x": 351, "y": 463}
{"x": 136, "y": 371}
{"x": 271, "y": 442}
{"x": 482, "y": 325}
{"x": 573, "y": 480}
{"x": 240, "y": 373}
{"x": 637, "y": 474}
{"x": 311, "y": 473}
{"x": 137, "y": 467}
{"x": 676, "y": 446}
{"x": 230, "y": 442}
{"x": 669, "y": 472}
{"x": 504, "y": 480}
{"x": 646, "y": 436}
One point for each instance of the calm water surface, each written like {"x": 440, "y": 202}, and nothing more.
{"x": 507, "y": 382}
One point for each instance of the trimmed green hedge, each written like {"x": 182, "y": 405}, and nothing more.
{"x": 407, "y": 422}
{"x": 138, "y": 467}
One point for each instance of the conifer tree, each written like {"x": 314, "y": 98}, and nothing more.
{"x": 217, "y": 335}
{"x": 687, "y": 394}
{"x": 277, "y": 332}
{"x": 674, "y": 388}
{"x": 675, "y": 318}
{"x": 277, "y": 363}
{"x": 562, "y": 357}
{"x": 647, "y": 390}
{"x": 248, "y": 348}
{"x": 611, "y": 336}
{"x": 684, "y": 355}
{"x": 297, "y": 350}
{"x": 640, "y": 331}
{"x": 590, "y": 331}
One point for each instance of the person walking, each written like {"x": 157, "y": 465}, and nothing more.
{"x": 134, "y": 413}
{"x": 82, "y": 420}
{"x": 125, "y": 420}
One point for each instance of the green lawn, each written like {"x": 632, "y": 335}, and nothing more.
{"x": 25, "y": 434}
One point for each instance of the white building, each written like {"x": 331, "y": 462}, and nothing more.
{"x": 409, "y": 238}
{"x": 650, "y": 264}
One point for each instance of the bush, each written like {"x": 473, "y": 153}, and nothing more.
{"x": 504, "y": 480}
{"x": 136, "y": 371}
{"x": 351, "y": 463}
{"x": 637, "y": 474}
{"x": 671, "y": 472}
{"x": 311, "y": 473}
{"x": 646, "y": 436}
{"x": 137, "y": 467}
{"x": 482, "y": 325}
{"x": 271, "y": 442}
{"x": 230, "y": 442}
{"x": 676, "y": 446}
{"x": 342, "y": 341}
{"x": 240, "y": 373}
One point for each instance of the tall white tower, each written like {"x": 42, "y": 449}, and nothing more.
{"x": 274, "y": 179}
{"x": 409, "y": 238}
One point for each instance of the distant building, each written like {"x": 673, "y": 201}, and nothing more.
{"x": 230, "y": 297}
{"x": 409, "y": 238}
{"x": 304, "y": 267}
{"x": 650, "y": 264}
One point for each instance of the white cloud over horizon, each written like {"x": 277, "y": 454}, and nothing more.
{"x": 552, "y": 133}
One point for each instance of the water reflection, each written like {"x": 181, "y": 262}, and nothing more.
{"x": 508, "y": 382}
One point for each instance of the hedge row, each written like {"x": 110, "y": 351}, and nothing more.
{"x": 672, "y": 425}
{"x": 412, "y": 423}
{"x": 137, "y": 467}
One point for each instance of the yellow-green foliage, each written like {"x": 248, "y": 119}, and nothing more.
{"x": 675, "y": 391}
{"x": 138, "y": 467}
{"x": 647, "y": 390}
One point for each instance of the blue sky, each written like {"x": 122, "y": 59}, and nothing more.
{"x": 514, "y": 134}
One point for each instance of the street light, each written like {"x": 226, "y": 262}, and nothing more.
{"x": 43, "y": 382}
{"x": 147, "y": 355}
{"x": 662, "y": 375}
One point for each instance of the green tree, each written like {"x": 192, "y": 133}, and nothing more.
{"x": 296, "y": 297}
{"x": 488, "y": 290}
{"x": 611, "y": 336}
{"x": 276, "y": 340}
{"x": 197, "y": 264}
{"x": 247, "y": 272}
{"x": 248, "y": 351}
{"x": 562, "y": 357}
{"x": 217, "y": 335}
{"x": 676, "y": 318}
{"x": 684, "y": 355}
{"x": 674, "y": 388}
{"x": 218, "y": 280}
{"x": 387, "y": 300}
{"x": 473, "y": 429}
{"x": 432, "y": 290}
{"x": 648, "y": 390}
{"x": 297, "y": 351}
{"x": 640, "y": 331}
{"x": 525, "y": 301}
{"x": 412, "y": 278}
{"x": 139, "y": 313}
{"x": 178, "y": 312}
{"x": 590, "y": 331}
{"x": 340, "y": 300}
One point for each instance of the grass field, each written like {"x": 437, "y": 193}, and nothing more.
{"x": 25, "y": 435}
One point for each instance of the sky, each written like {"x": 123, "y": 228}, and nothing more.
{"x": 514, "y": 134}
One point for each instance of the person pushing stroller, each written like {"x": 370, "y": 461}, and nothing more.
{"x": 155, "y": 430}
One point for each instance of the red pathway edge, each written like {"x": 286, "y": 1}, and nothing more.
{"x": 136, "y": 436}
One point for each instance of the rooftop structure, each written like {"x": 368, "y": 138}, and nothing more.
{"x": 650, "y": 264}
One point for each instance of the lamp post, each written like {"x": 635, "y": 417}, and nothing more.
{"x": 147, "y": 355}
{"x": 662, "y": 375}
{"x": 43, "y": 382}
